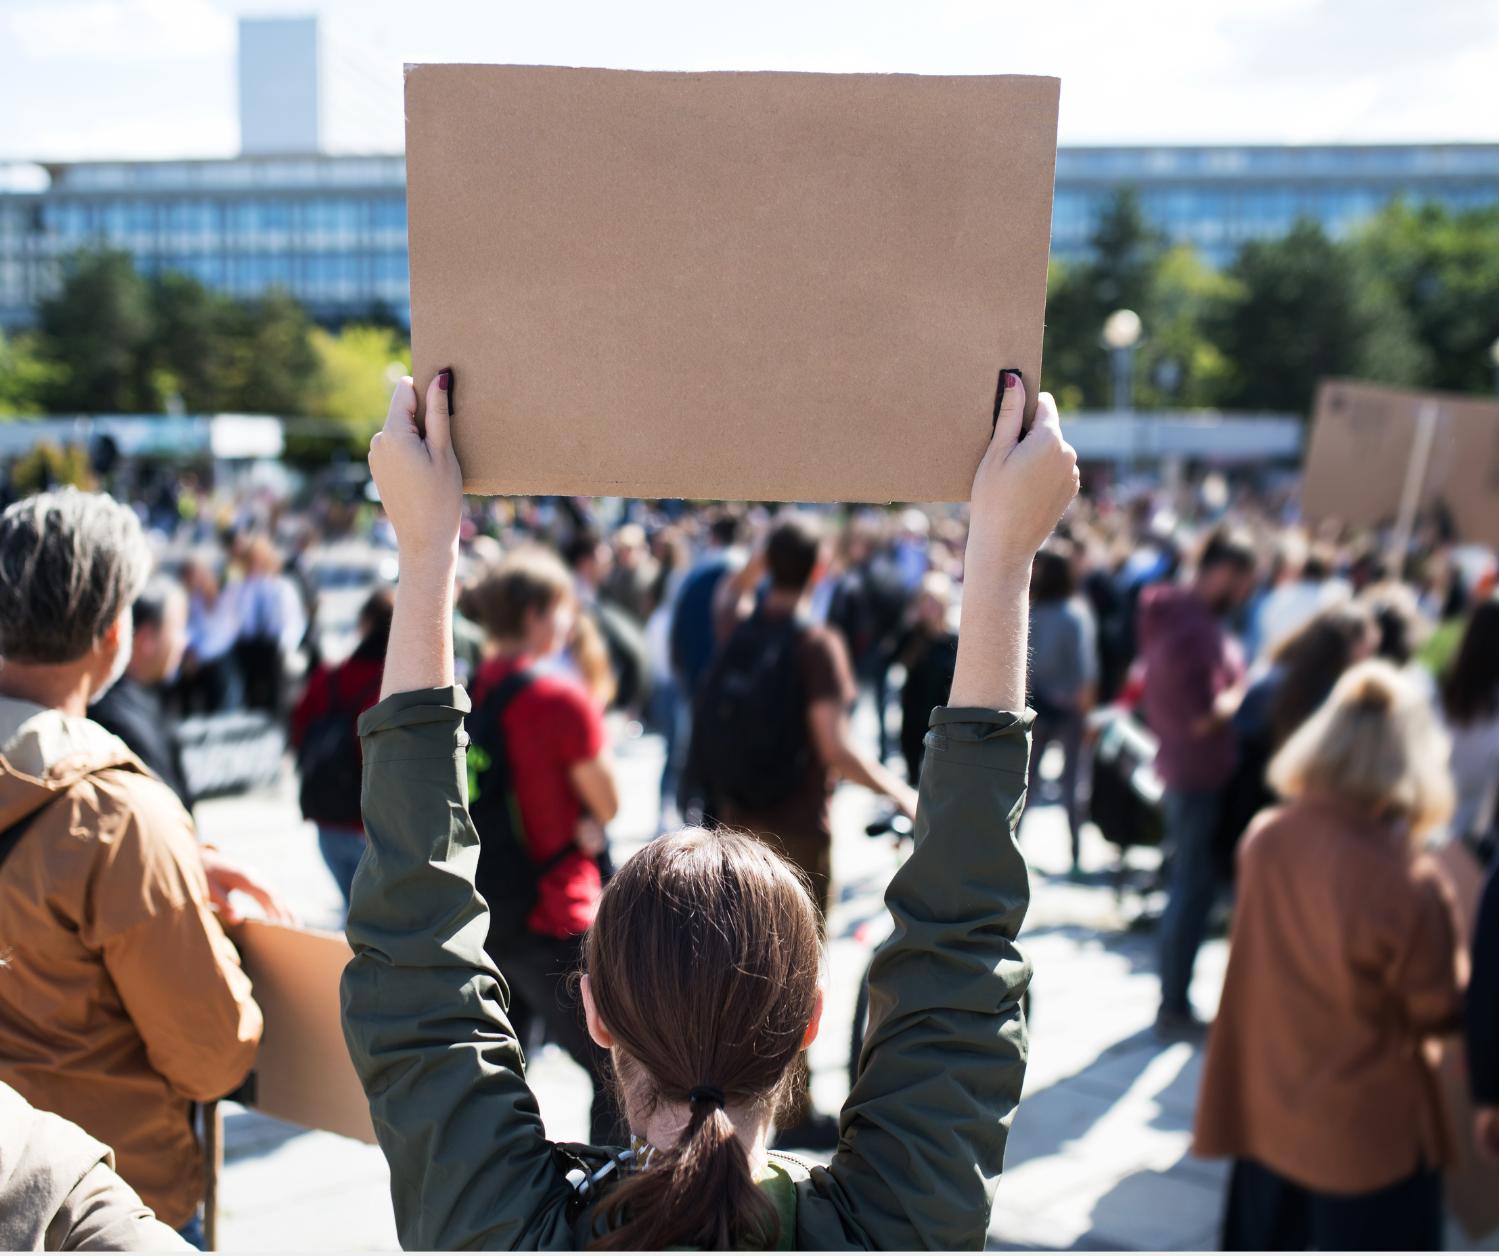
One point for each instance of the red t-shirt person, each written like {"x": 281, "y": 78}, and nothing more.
{"x": 550, "y": 727}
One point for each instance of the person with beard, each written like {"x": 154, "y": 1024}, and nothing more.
{"x": 123, "y": 1003}
{"x": 1190, "y": 664}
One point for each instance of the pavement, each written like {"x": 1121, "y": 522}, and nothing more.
{"x": 1099, "y": 1152}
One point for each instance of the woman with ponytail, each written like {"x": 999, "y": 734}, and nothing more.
{"x": 701, "y": 968}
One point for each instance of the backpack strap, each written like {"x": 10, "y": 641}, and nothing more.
{"x": 11, "y": 837}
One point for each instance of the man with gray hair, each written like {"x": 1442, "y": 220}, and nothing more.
{"x": 122, "y": 1002}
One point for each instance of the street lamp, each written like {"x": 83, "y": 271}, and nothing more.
{"x": 1494, "y": 358}
{"x": 1121, "y": 333}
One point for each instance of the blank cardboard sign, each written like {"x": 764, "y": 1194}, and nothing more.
{"x": 303, "y": 1073}
{"x": 798, "y": 287}
{"x": 1363, "y": 439}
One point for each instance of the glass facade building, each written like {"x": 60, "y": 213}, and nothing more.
{"x": 331, "y": 230}
{"x": 1217, "y": 198}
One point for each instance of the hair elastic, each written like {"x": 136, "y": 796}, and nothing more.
{"x": 706, "y": 1094}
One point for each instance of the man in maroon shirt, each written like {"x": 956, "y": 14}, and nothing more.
{"x": 1190, "y": 662}
{"x": 554, "y": 738}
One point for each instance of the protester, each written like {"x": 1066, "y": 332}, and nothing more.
{"x": 1342, "y": 960}
{"x": 1483, "y": 1020}
{"x": 1470, "y": 703}
{"x": 702, "y": 968}
{"x": 869, "y": 603}
{"x": 928, "y": 652}
{"x": 1302, "y": 670}
{"x": 1063, "y": 678}
{"x": 771, "y": 737}
{"x": 123, "y": 1002}
{"x": 132, "y": 708}
{"x": 601, "y": 621}
{"x": 1307, "y": 585}
{"x": 210, "y": 680}
{"x": 632, "y": 574}
{"x": 324, "y": 731}
{"x": 59, "y": 1191}
{"x": 271, "y": 624}
{"x": 1190, "y": 664}
{"x": 545, "y": 736}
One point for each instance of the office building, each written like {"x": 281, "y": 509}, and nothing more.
{"x": 331, "y": 230}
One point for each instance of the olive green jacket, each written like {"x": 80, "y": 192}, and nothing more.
{"x": 923, "y": 1132}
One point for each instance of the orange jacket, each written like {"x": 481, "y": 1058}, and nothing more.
{"x": 1343, "y": 962}
{"x": 121, "y": 1000}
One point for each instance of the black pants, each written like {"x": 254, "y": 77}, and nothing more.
{"x": 1267, "y": 1212}
{"x": 261, "y": 667}
{"x": 539, "y": 971}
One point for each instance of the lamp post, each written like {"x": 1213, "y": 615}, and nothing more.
{"x": 1494, "y": 358}
{"x": 1121, "y": 334}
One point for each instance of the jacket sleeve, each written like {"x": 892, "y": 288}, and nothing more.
{"x": 923, "y": 1131}
{"x": 178, "y": 976}
{"x": 102, "y": 1214}
{"x": 1427, "y": 976}
{"x": 1483, "y": 999}
{"x": 424, "y": 1009}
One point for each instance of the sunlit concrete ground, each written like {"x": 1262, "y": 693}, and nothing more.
{"x": 1098, "y": 1156}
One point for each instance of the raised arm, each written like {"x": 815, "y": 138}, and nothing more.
{"x": 924, "y": 1129}
{"x": 424, "y": 1009}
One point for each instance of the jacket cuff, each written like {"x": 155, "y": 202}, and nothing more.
{"x": 981, "y": 736}
{"x": 442, "y": 707}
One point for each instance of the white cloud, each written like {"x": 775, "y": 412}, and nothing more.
{"x": 121, "y": 29}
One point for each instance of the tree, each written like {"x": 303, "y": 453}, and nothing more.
{"x": 192, "y": 344}
{"x": 1444, "y": 264}
{"x": 354, "y": 370}
{"x": 1172, "y": 290}
{"x": 1117, "y": 275}
{"x": 97, "y": 331}
{"x": 25, "y": 377}
{"x": 1305, "y": 307}
{"x": 272, "y": 367}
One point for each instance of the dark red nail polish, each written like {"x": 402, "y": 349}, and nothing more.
{"x": 443, "y": 378}
{"x": 1011, "y": 379}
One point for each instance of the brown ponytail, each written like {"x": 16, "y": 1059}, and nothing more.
{"x": 703, "y": 965}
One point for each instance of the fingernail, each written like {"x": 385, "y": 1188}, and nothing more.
{"x": 444, "y": 378}
{"x": 1011, "y": 378}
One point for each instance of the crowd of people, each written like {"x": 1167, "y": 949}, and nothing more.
{"x": 1325, "y": 715}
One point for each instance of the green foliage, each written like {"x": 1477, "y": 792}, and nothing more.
{"x": 1171, "y": 289}
{"x": 1445, "y": 267}
{"x": 46, "y": 466}
{"x": 354, "y": 370}
{"x": 1413, "y": 300}
{"x": 1305, "y": 308}
{"x": 97, "y": 331}
{"x": 25, "y": 377}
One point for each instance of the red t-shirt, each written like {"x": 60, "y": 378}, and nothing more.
{"x": 550, "y": 726}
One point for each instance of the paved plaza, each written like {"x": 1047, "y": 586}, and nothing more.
{"x": 1098, "y": 1156}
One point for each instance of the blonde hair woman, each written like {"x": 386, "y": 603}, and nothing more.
{"x": 1342, "y": 962}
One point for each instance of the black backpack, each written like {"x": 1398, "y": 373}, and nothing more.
{"x": 750, "y": 741}
{"x": 330, "y": 759}
{"x": 507, "y": 878}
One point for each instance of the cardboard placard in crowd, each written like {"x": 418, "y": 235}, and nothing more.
{"x": 302, "y": 1073}
{"x": 1367, "y": 443}
{"x": 726, "y": 285}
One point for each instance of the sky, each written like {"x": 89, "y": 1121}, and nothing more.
{"x": 156, "y": 78}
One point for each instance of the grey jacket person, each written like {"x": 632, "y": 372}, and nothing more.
{"x": 59, "y": 1191}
